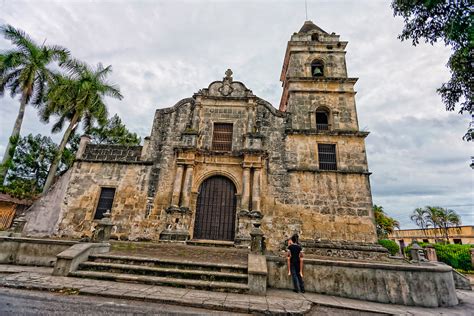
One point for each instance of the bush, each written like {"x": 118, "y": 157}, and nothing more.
{"x": 391, "y": 246}
{"x": 457, "y": 256}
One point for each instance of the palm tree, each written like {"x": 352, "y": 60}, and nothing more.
{"x": 420, "y": 218}
{"x": 443, "y": 219}
{"x": 384, "y": 224}
{"x": 77, "y": 97}
{"x": 24, "y": 72}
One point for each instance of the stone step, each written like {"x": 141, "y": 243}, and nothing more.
{"x": 210, "y": 243}
{"x": 164, "y": 272}
{"x": 152, "y": 280}
{"x": 169, "y": 263}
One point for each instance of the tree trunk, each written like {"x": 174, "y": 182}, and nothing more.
{"x": 57, "y": 159}
{"x": 15, "y": 133}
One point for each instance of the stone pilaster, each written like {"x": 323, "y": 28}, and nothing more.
{"x": 245, "y": 189}
{"x": 188, "y": 179}
{"x": 256, "y": 190}
{"x": 177, "y": 186}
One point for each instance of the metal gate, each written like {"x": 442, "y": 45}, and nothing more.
{"x": 215, "y": 210}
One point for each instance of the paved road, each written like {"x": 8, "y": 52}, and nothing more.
{"x": 24, "y": 302}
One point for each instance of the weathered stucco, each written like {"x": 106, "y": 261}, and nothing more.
{"x": 273, "y": 162}
{"x": 43, "y": 217}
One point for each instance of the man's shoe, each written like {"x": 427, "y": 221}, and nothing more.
{"x": 296, "y": 291}
{"x": 303, "y": 291}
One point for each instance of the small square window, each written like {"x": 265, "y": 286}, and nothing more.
{"x": 222, "y": 137}
{"x": 106, "y": 200}
{"x": 327, "y": 157}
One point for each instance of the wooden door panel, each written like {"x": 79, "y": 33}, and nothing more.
{"x": 215, "y": 210}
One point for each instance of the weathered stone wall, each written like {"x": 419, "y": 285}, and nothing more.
{"x": 304, "y": 102}
{"x": 386, "y": 283}
{"x": 128, "y": 210}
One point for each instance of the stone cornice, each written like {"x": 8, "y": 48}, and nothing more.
{"x": 316, "y": 170}
{"x": 362, "y": 134}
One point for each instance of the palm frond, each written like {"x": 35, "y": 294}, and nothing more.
{"x": 19, "y": 38}
{"x": 39, "y": 91}
{"x": 113, "y": 91}
{"x": 73, "y": 67}
{"x": 58, "y": 53}
{"x": 6, "y": 81}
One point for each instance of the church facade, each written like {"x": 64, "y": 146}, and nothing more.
{"x": 223, "y": 159}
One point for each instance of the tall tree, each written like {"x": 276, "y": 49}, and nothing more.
{"x": 384, "y": 224}
{"x": 449, "y": 21}
{"x": 420, "y": 218}
{"x": 75, "y": 98}
{"x": 24, "y": 71}
{"x": 30, "y": 164}
{"x": 113, "y": 132}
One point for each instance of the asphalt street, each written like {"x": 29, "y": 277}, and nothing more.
{"x": 24, "y": 302}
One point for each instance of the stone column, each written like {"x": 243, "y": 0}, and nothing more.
{"x": 245, "y": 189}
{"x": 256, "y": 190}
{"x": 188, "y": 179}
{"x": 177, "y": 186}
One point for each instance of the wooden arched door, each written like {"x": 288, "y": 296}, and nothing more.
{"x": 215, "y": 210}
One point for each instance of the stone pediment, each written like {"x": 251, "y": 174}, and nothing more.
{"x": 227, "y": 88}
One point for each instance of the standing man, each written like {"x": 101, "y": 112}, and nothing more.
{"x": 295, "y": 263}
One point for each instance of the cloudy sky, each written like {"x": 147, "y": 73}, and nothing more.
{"x": 163, "y": 51}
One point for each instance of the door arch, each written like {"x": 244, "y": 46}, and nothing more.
{"x": 215, "y": 209}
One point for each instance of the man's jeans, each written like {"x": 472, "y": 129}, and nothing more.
{"x": 297, "y": 279}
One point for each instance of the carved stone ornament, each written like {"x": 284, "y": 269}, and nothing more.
{"x": 226, "y": 88}
{"x": 251, "y": 214}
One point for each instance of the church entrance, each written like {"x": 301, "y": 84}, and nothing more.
{"x": 215, "y": 210}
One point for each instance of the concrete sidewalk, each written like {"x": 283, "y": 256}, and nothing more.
{"x": 275, "y": 302}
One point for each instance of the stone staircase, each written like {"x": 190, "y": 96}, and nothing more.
{"x": 215, "y": 276}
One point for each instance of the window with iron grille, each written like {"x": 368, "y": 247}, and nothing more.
{"x": 222, "y": 137}
{"x": 106, "y": 201}
{"x": 327, "y": 157}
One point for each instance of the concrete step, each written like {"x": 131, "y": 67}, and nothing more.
{"x": 153, "y": 280}
{"x": 164, "y": 272}
{"x": 169, "y": 263}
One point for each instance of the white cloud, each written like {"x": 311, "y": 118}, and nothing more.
{"x": 162, "y": 51}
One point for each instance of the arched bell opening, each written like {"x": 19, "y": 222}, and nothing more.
{"x": 317, "y": 69}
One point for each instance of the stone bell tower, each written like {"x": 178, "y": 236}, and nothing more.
{"x": 326, "y": 149}
{"x": 316, "y": 89}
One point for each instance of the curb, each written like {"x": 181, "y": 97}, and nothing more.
{"x": 255, "y": 310}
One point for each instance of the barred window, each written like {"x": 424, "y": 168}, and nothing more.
{"x": 222, "y": 137}
{"x": 327, "y": 157}
{"x": 106, "y": 201}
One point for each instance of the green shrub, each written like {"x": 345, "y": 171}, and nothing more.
{"x": 457, "y": 256}
{"x": 391, "y": 246}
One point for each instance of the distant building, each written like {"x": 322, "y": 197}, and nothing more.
{"x": 457, "y": 235}
{"x": 9, "y": 206}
